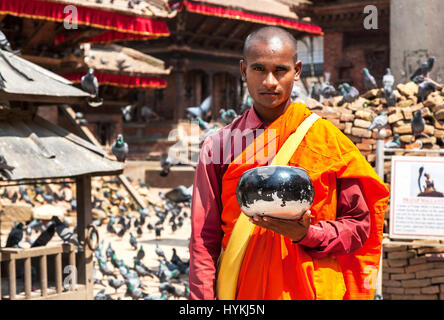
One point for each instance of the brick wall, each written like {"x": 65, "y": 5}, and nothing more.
{"x": 413, "y": 272}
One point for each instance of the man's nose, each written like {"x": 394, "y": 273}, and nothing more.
{"x": 270, "y": 80}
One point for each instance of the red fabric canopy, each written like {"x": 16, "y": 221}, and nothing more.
{"x": 120, "y": 80}
{"x": 125, "y": 24}
{"x": 106, "y": 37}
{"x": 251, "y": 17}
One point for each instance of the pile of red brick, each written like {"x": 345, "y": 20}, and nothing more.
{"x": 355, "y": 118}
{"x": 413, "y": 272}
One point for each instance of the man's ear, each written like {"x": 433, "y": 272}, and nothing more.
{"x": 243, "y": 69}
{"x": 298, "y": 69}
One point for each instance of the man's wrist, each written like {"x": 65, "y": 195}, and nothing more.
{"x": 301, "y": 238}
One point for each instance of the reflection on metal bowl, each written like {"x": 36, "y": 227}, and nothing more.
{"x": 277, "y": 191}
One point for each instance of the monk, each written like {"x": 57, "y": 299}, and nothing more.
{"x": 332, "y": 251}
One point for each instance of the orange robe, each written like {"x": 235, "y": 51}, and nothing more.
{"x": 275, "y": 268}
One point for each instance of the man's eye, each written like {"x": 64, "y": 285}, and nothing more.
{"x": 258, "y": 69}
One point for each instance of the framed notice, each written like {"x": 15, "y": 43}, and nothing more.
{"x": 417, "y": 198}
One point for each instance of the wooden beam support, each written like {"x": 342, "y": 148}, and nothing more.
{"x": 71, "y": 115}
{"x": 195, "y": 33}
{"x": 214, "y": 35}
{"x": 237, "y": 29}
{"x": 42, "y": 30}
{"x": 82, "y": 35}
{"x": 2, "y": 16}
{"x": 84, "y": 218}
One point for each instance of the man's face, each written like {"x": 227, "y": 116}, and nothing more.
{"x": 270, "y": 72}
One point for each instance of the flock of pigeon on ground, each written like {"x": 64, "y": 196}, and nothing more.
{"x": 122, "y": 217}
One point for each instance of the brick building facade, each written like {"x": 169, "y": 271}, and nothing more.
{"x": 348, "y": 45}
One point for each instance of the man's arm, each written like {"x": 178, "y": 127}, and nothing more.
{"x": 348, "y": 232}
{"x": 206, "y": 231}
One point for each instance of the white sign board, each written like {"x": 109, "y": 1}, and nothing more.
{"x": 417, "y": 198}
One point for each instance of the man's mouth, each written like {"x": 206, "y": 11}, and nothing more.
{"x": 269, "y": 93}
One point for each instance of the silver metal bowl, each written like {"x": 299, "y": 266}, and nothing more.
{"x": 277, "y": 191}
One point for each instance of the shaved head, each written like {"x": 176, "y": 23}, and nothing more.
{"x": 275, "y": 37}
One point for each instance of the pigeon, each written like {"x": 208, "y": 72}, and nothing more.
{"x": 388, "y": 80}
{"x": 180, "y": 194}
{"x": 2, "y": 82}
{"x": 419, "y": 79}
{"x": 424, "y": 89}
{"x": 4, "y": 43}
{"x": 5, "y": 169}
{"x": 139, "y": 231}
{"x": 133, "y": 292}
{"x": 121, "y": 65}
{"x": 349, "y": 93}
{"x": 227, "y": 116}
{"x": 327, "y": 91}
{"x": 417, "y": 123}
{"x": 109, "y": 251}
{"x": 48, "y": 198}
{"x": 315, "y": 92}
{"x": 295, "y": 93}
{"x": 27, "y": 199}
{"x": 15, "y": 236}
{"x": 159, "y": 251}
{"x": 395, "y": 143}
{"x": 105, "y": 270}
{"x": 133, "y": 241}
{"x": 110, "y": 227}
{"x": 166, "y": 162}
{"x": 424, "y": 69}
{"x": 115, "y": 283}
{"x": 34, "y": 225}
{"x": 124, "y": 270}
{"x": 122, "y": 231}
{"x": 175, "y": 258}
{"x": 65, "y": 233}
{"x": 200, "y": 111}
{"x": 90, "y": 84}
{"x": 171, "y": 266}
{"x": 379, "y": 122}
{"x": 141, "y": 271}
{"x": 147, "y": 113}
{"x": 163, "y": 296}
{"x": 102, "y": 296}
{"x": 158, "y": 231}
{"x": 120, "y": 148}
{"x": 179, "y": 292}
{"x": 45, "y": 236}
{"x": 164, "y": 274}
{"x": 369, "y": 80}
{"x": 73, "y": 205}
{"x": 114, "y": 261}
{"x": 128, "y": 113}
{"x": 390, "y": 96}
